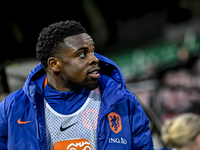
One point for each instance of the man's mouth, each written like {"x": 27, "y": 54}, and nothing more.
{"x": 94, "y": 72}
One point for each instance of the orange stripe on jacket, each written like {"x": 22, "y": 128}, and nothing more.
{"x": 45, "y": 82}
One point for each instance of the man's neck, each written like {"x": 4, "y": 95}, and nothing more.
{"x": 57, "y": 84}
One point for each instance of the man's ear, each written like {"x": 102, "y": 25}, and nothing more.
{"x": 54, "y": 64}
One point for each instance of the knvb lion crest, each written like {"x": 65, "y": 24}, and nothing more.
{"x": 115, "y": 122}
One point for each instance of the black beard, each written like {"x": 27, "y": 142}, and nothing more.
{"x": 84, "y": 84}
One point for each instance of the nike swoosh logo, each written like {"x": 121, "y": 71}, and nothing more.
{"x": 63, "y": 129}
{"x": 22, "y": 122}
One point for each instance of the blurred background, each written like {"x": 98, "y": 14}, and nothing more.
{"x": 155, "y": 43}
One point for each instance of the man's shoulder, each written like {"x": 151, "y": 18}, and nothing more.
{"x": 132, "y": 98}
{"x": 135, "y": 105}
{"x": 12, "y": 98}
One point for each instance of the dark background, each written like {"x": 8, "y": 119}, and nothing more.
{"x": 111, "y": 24}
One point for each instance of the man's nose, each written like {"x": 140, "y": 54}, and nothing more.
{"x": 93, "y": 60}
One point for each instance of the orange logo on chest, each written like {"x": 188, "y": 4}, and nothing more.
{"x": 115, "y": 122}
{"x": 77, "y": 144}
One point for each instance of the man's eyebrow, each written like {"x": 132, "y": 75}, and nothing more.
{"x": 81, "y": 48}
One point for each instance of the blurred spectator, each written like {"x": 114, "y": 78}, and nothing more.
{"x": 182, "y": 132}
{"x": 179, "y": 90}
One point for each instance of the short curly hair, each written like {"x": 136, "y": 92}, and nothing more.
{"x": 51, "y": 38}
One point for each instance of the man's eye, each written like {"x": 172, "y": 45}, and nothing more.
{"x": 82, "y": 54}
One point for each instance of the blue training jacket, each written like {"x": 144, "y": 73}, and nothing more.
{"x": 122, "y": 122}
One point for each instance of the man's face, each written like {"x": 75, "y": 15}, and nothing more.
{"x": 79, "y": 65}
